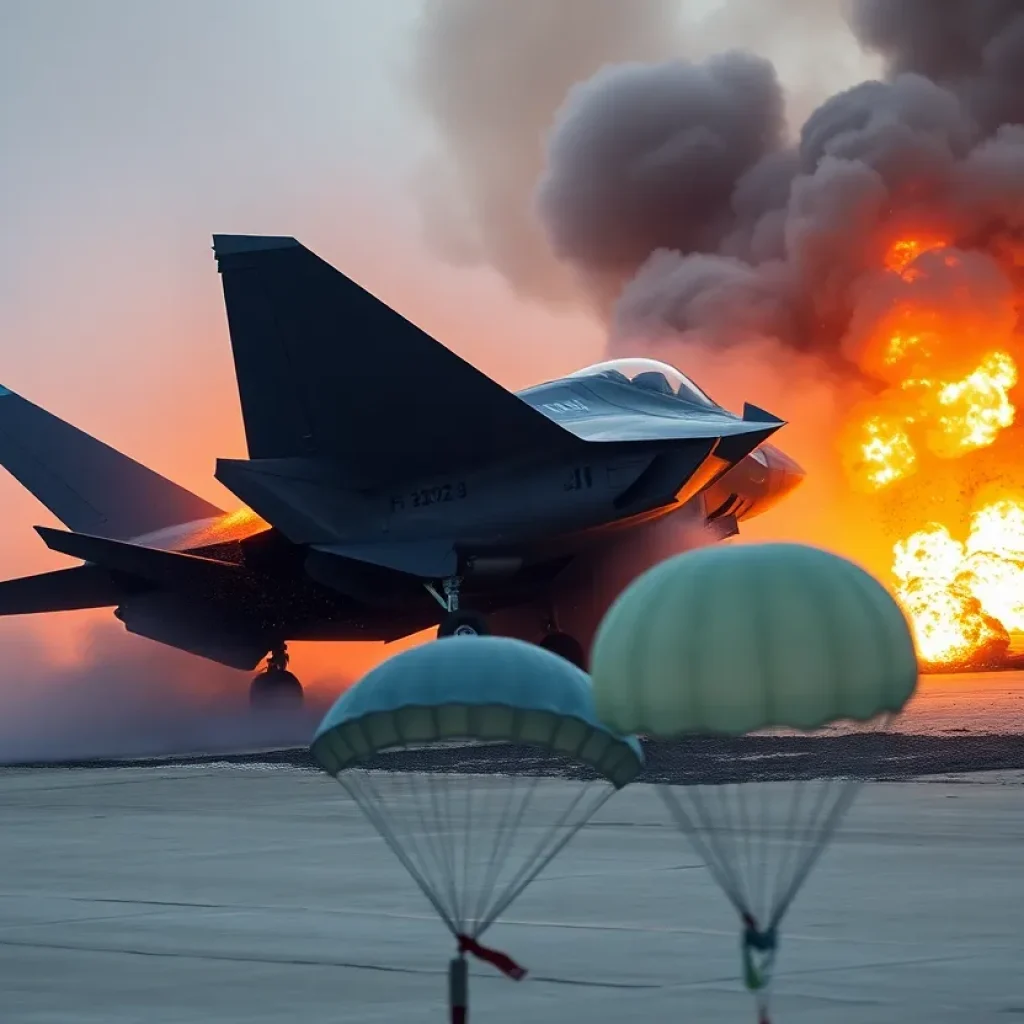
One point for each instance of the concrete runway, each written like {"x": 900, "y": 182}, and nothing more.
{"x": 242, "y": 893}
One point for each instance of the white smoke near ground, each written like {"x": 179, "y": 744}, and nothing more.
{"x": 126, "y": 697}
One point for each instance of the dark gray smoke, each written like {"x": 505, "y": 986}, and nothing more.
{"x": 644, "y": 157}
{"x": 673, "y": 193}
{"x": 741, "y": 237}
{"x": 674, "y": 182}
{"x": 490, "y": 75}
{"x": 128, "y": 697}
{"x": 973, "y": 47}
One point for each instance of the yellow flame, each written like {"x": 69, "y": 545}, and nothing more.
{"x": 955, "y": 417}
{"x": 963, "y": 597}
{"x": 900, "y": 345}
{"x": 886, "y": 454}
{"x": 904, "y": 251}
{"x": 973, "y": 411}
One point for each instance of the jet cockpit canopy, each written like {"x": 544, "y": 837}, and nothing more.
{"x": 650, "y": 374}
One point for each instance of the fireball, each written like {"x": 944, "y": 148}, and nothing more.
{"x": 884, "y": 453}
{"x": 952, "y": 624}
{"x": 968, "y": 414}
{"x": 950, "y": 374}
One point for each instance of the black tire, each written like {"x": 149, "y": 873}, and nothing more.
{"x": 565, "y": 646}
{"x": 275, "y": 690}
{"x": 463, "y": 623}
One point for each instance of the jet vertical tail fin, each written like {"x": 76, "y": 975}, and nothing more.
{"x": 326, "y": 368}
{"x": 89, "y": 486}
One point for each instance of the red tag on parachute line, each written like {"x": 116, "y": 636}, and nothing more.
{"x": 501, "y": 961}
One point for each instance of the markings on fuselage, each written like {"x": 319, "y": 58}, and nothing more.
{"x": 569, "y": 405}
{"x": 580, "y": 478}
{"x": 423, "y": 496}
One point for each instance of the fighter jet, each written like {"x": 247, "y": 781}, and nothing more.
{"x": 390, "y": 487}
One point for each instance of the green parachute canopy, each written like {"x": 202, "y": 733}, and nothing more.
{"x": 733, "y": 639}
{"x": 730, "y": 640}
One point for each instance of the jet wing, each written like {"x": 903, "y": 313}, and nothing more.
{"x": 169, "y": 568}
{"x": 85, "y": 483}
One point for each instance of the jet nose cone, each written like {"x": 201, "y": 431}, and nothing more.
{"x": 786, "y": 471}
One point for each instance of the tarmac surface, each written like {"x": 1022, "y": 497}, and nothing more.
{"x": 242, "y": 894}
{"x": 249, "y": 887}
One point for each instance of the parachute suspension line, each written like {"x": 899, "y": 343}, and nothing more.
{"x": 504, "y": 837}
{"x": 541, "y": 857}
{"x": 848, "y": 790}
{"x": 358, "y": 784}
{"x": 760, "y": 856}
{"x": 430, "y": 862}
{"x": 471, "y": 843}
{"x": 706, "y": 850}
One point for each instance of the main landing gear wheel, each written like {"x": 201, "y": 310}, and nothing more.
{"x": 275, "y": 688}
{"x": 463, "y": 623}
{"x": 565, "y": 646}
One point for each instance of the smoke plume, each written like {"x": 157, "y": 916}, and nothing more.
{"x": 592, "y": 154}
{"x": 646, "y": 157}
{"x": 731, "y": 235}
{"x": 975, "y": 48}
{"x": 489, "y": 75}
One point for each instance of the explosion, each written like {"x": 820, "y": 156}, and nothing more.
{"x": 963, "y": 597}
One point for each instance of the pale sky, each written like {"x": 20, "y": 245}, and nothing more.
{"x": 132, "y": 131}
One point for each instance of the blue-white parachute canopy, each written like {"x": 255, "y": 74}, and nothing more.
{"x": 493, "y": 689}
{"x": 477, "y": 759}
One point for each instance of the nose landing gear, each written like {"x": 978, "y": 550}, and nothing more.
{"x": 275, "y": 688}
{"x": 457, "y": 621}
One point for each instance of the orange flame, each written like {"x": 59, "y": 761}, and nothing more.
{"x": 961, "y": 596}
{"x": 884, "y": 452}
{"x": 944, "y": 597}
{"x": 968, "y": 413}
{"x": 904, "y": 251}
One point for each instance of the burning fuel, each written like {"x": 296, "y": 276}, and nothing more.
{"x": 964, "y": 596}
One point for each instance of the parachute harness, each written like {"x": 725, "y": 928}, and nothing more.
{"x": 758, "y": 960}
